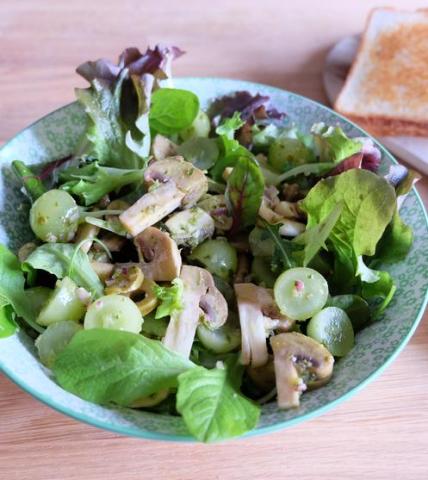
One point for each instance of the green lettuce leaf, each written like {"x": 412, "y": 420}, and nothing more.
{"x": 12, "y": 293}
{"x": 369, "y": 203}
{"x": 8, "y": 325}
{"x": 63, "y": 259}
{"x": 91, "y": 182}
{"x": 244, "y": 192}
{"x": 172, "y": 110}
{"x": 211, "y": 404}
{"x": 314, "y": 238}
{"x": 107, "y": 132}
{"x": 111, "y": 366}
{"x": 332, "y": 143}
{"x": 230, "y": 125}
{"x": 171, "y": 298}
{"x": 396, "y": 241}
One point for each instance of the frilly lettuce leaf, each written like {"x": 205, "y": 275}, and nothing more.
{"x": 332, "y": 143}
{"x": 171, "y": 298}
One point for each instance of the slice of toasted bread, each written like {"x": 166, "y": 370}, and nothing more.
{"x": 386, "y": 91}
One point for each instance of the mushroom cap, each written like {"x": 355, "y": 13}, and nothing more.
{"x": 291, "y": 349}
{"x": 189, "y": 179}
{"x": 162, "y": 147}
{"x": 160, "y": 258}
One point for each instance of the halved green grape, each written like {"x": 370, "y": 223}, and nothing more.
{"x": 54, "y": 217}
{"x": 54, "y": 339}
{"x": 300, "y": 292}
{"x": 221, "y": 340}
{"x": 332, "y": 327}
{"x": 200, "y": 127}
{"x": 67, "y": 302}
{"x": 261, "y": 272}
{"x": 217, "y": 256}
{"x": 356, "y": 308}
{"x": 286, "y": 153}
{"x": 115, "y": 312}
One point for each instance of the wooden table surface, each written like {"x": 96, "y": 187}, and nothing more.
{"x": 381, "y": 433}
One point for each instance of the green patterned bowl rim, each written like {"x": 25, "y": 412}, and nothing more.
{"x": 136, "y": 432}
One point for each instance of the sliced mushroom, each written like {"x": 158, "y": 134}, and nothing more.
{"x": 216, "y": 206}
{"x": 124, "y": 280}
{"x": 25, "y": 251}
{"x": 162, "y": 147}
{"x": 104, "y": 270}
{"x": 202, "y": 303}
{"x": 85, "y": 235}
{"x": 190, "y": 227}
{"x": 152, "y": 207}
{"x": 160, "y": 259}
{"x": 263, "y": 377}
{"x": 258, "y": 316}
{"x": 188, "y": 179}
{"x": 150, "y": 300}
{"x": 300, "y": 362}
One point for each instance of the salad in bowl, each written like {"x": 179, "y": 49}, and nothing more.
{"x": 200, "y": 262}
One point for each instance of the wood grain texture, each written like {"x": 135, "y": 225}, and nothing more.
{"x": 382, "y": 432}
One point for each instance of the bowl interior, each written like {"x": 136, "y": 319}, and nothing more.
{"x": 55, "y": 136}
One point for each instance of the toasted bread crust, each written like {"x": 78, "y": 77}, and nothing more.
{"x": 383, "y": 126}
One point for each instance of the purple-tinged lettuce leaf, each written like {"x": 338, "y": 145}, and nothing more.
{"x": 371, "y": 154}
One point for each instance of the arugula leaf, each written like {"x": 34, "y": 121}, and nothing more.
{"x": 171, "y": 298}
{"x": 244, "y": 192}
{"x": 332, "y": 143}
{"x": 172, "y": 110}
{"x": 202, "y": 152}
{"x": 211, "y": 404}
{"x": 283, "y": 249}
{"x": 229, "y": 126}
{"x": 107, "y": 131}
{"x": 109, "y": 225}
{"x": 306, "y": 169}
{"x": 8, "y": 325}
{"x": 62, "y": 259}
{"x": 12, "y": 291}
{"x": 111, "y": 366}
{"x": 369, "y": 203}
{"x": 91, "y": 182}
{"x": 314, "y": 238}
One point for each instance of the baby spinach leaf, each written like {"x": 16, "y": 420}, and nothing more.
{"x": 12, "y": 291}
{"x": 244, "y": 192}
{"x": 111, "y": 366}
{"x": 211, "y": 404}
{"x": 202, "y": 152}
{"x": 91, "y": 182}
{"x": 62, "y": 259}
{"x": 368, "y": 206}
{"x": 314, "y": 238}
{"x": 172, "y": 110}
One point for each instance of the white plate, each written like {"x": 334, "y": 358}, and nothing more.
{"x": 413, "y": 150}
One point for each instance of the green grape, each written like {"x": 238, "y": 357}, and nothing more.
{"x": 217, "y": 256}
{"x": 300, "y": 292}
{"x": 54, "y": 217}
{"x": 356, "y": 308}
{"x": 332, "y": 327}
{"x": 115, "y": 312}
{"x": 54, "y": 339}
{"x": 286, "y": 153}
{"x": 261, "y": 272}
{"x": 154, "y": 327}
{"x": 67, "y": 302}
{"x": 221, "y": 340}
{"x": 200, "y": 127}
